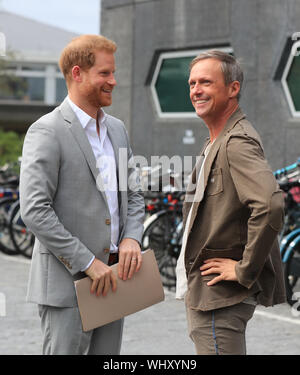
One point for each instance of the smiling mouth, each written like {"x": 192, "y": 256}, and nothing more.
{"x": 201, "y": 101}
{"x": 107, "y": 91}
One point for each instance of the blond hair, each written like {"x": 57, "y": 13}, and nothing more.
{"x": 81, "y": 51}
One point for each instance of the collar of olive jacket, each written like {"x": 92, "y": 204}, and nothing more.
{"x": 231, "y": 122}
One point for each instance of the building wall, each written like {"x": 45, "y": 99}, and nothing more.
{"x": 257, "y": 30}
{"x": 18, "y": 117}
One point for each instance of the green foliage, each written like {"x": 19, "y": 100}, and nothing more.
{"x": 10, "y": 146}
{"x": 10, "y": 142}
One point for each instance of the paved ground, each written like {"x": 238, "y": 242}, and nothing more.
{"x": 160, "y": 329}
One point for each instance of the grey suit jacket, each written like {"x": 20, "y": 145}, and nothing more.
{"x": 62, "y": 206}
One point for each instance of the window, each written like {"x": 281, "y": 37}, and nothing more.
{"x": 22, "y": 88}
{"x": 291, "y": 80}
{"x": 32, "y": 83}
{"x": 169, "y": 85}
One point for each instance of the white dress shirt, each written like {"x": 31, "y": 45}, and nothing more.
{"x": 106, "y": 164}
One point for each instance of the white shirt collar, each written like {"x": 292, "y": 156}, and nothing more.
{"x": 83, "y": 117}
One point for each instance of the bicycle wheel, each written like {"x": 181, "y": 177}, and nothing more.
{"x": 287, "y": 240}
{"x": 22, "y": 238}
{"x": 158, "y": 234}
{"x": 291, "y": 269}
{"x": 6, "y": 244}
{"x": 167, "y": 269}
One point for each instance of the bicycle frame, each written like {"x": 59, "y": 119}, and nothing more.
{"x": 287, "y": 241}
{"x": 291, "y": 248}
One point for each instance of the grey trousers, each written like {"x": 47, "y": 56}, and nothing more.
{"x": 220, "y": 331}
{"x": 62, "y": 332}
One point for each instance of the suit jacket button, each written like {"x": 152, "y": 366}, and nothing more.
{"x": 107, "y": 221}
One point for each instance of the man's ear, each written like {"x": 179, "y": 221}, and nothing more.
{"x": 234, "y": 89}
{"x": 76, "y": 73}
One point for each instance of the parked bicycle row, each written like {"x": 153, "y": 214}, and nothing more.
{"x": 289, "y": 181}
{"x": 163, "y": 230}
{"x": 163, "y": 227}
{"x": 14, "y": 236}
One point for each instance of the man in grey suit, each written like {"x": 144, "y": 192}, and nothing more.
{"x": 72, "y": 201}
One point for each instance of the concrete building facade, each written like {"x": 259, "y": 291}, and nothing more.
{"x": 260, "y": 33}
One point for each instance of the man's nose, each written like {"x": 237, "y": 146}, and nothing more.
{"x": 197, "y": 89}
{"x": 112, "y": 80}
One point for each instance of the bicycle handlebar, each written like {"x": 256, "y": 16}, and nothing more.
{"x": 287, "y": 185}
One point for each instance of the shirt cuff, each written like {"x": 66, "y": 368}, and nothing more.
{"x": 90, "y": 262}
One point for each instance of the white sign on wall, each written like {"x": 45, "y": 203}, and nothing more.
{"x": 188, "y": 138}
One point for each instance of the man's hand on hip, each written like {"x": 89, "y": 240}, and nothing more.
{"x": 130, "y": 258}
{"x": 223, "y": 266}
{"x": 102, "y": 276}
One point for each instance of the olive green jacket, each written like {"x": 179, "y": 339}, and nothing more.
{"x": 239, "y": 217}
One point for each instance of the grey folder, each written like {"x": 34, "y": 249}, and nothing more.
{"x": 144, "y": 289}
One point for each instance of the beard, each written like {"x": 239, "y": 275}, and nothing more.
{"x": 96, "y": 97}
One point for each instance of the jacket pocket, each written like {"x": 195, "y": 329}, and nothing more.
{"x": 233, "y": 253}
{"x": 215, "y": 182}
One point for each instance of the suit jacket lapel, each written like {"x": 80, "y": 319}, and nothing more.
{"x": 83, "y": 143}
{"x": 113, "y": 138}
{"x": 235, "y": 117}
{"x": 191, "y": 187}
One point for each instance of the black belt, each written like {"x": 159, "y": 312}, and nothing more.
{"x": 113, "y": 258}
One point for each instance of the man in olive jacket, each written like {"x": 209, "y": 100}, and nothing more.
{"x": 233, "y": 211}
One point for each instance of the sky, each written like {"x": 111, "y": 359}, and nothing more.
{"x": 79, "y": 16}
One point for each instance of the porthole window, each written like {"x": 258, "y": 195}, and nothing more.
{"x": 169, "y": 85}
{"x": 291, "y": 80}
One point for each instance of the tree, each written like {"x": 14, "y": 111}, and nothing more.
{"x": 10, "y": 146}
{"x": 11, "y": 86}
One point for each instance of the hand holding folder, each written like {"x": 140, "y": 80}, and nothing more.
{"x": 144, "y": 289}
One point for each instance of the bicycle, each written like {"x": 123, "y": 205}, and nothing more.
{"x": 9, "y": 182}
{"x": 292, "y": 212}
{"x": 290, "y": 243}
{"x": 291, "y": 269}
{"x": 21, "y": 237}
{"x": 163, "y": 233}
